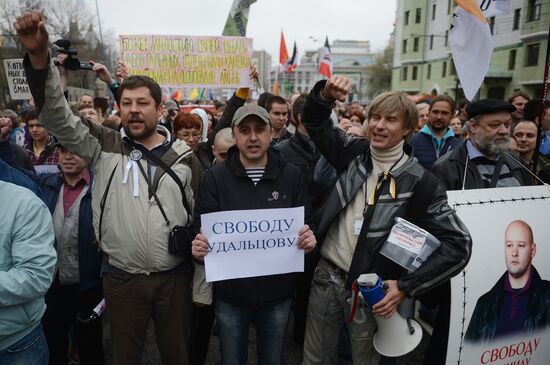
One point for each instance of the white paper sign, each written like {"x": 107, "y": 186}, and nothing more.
{"x": 249, "y": 243}
{"x": 44, "y": 169}
{"x": 17, "y": 80}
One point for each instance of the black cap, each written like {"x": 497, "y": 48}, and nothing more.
{"x": 488, "y": 106}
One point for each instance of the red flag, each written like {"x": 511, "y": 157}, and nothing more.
{"x": 176, "y": 95}
{"x": 283, "y": 53}
{"x": 325, "y": 60}
{"x": 294, "y": 60}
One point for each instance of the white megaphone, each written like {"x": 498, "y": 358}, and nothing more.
{"x": 396, "y": 336}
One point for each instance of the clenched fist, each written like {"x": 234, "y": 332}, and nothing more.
{"x": 336, "y": 88}
{"x": 33, "y": 35}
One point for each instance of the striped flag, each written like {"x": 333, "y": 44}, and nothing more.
{"x": 238, "y": 18}
{"x": 325, "y": 60}
{"x": 283, "y": 53}
{"x": 471, "y": 45}
{"x": 294, "y": 61}
{"x": 496, "y": 7}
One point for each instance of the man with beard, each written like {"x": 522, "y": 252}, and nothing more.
{"x": 435, "y": 138}
{"x": 136, "y": 202}
{"x": 483, "y": 160}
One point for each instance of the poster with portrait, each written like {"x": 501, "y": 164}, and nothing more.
{"x": 500, "y": 311}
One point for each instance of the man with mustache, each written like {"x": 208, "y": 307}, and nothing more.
{"x": 483, "y": 161}
{"x": 136, "y": 203}
{"x": 435, "y": 138}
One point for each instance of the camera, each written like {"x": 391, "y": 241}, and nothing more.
{"x": 179, "y": 243}
{"x": 71, "y": 62}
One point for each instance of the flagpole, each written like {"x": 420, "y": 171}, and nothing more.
{"x": 542, "y": 111}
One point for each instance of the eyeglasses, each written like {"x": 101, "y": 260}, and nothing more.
{"x": 188, "y": 135}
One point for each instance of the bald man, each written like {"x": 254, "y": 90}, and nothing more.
{"x": 222, "y": 142}
{"x": 520, "y": 301}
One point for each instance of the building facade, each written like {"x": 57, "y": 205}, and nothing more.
{"x": 423, "y": 61}
{"x": 349, "y": 58}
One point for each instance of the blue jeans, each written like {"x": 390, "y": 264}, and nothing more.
{"x": 233, "y": 323}
{"x": 30, "y": 350}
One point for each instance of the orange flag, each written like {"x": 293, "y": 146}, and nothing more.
{"x": 276, "y": 88}
{"x": 283, "y": 53}
{"x": 176, "y": 95}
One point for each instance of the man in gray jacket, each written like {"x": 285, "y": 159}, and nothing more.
{"x": 135, "y": 203}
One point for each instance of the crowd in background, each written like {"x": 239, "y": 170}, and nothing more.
{"x": 226, "y": 155}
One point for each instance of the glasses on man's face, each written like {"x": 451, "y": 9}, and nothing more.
{"x": 188, "y": 135}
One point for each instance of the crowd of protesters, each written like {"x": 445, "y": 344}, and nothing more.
{"x": 108, "y": 204}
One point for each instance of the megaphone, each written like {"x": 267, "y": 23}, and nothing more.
{"x": 396, "y": 336}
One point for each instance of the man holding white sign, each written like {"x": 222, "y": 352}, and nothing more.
{"x": 260, "y": 289}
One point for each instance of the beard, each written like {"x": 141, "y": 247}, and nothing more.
{"x": 490, "y": 147}
{"x": 147, "y": 131}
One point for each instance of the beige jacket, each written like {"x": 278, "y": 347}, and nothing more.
{"x": 130, "y": 229}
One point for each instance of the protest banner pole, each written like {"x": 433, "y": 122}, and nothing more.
{"x": 544, "y": 93}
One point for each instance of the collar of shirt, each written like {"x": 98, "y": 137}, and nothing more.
{"x": 473, "y": 152}
{"x": 508, "y": 287}
{"x": 438, "y": 142}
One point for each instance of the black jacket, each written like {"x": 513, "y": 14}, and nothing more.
{"x": 424, "y": 149}
{"x": 351, "y": 159}
{"x": 450, "y": 170}
{"x": 226, "y": 186}
{"x": 484, "y": 320}
{"x": 298, "y": 151}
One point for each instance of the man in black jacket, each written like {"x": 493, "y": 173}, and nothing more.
{"x": 482, "y": 161}
{"x": 377, "y": 181}
{"x": 520, "y": 300}
{"x": 252, "y": 177}
{"x": 301, "y": 151}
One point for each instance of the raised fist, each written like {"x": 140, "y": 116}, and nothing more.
{"x": 336, "y": 88}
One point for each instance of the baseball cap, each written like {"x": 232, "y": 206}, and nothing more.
{"x": 248, "y": 110}
{"x": 488, "y": 106}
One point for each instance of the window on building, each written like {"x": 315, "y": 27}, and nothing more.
{"x": 517, "y": 18}
{"x": 532, "y": 55}
{"x": 444, "y": 69}
{"x": 415, "y": 44}
{"x": 404, "y": 73}
{"x": 404, "y": 48}
{"x": 406, "y": 20}
{"x": 446, "y": 38}
{"x": 452, "y": 70}
{"x": 418, "y": 17}
{"x": 415, "y": 72}
{"x": 449, "y": 7}
{"x": 431, "y": 41}
{"x": 429, "y": 72}
{"x": 512, "y": 59}
{"x": 433, "y": 11}
{"x": 492, "y": 23}
{"x": 534, "y": 10}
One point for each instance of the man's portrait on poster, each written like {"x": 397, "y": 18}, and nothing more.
{"x": 519, "y": 303}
